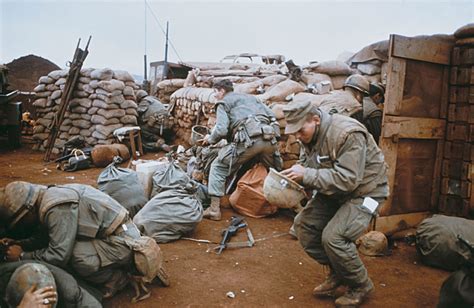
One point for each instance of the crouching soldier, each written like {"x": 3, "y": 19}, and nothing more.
{"x": 51, "y": 285}
{"x": 252, "y": 130}
{"x": 79, "y": 227}
{"x": 347, "y": 172}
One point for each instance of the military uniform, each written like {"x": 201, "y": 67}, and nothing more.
{"x": 251, "y": 128}
{"x": 371, "y": 117}
{"x": 343, "y": 166}
{"x": 70, "y": 292}
{"x": 86, "y": 230}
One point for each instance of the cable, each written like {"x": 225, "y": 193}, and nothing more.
{"x": 163, "y": 30}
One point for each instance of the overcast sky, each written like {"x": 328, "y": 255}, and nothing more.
{"x": 209, "y": 30}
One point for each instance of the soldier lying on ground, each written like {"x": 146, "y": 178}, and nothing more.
{"x": 78, "y": 227}
{"x": 347, "y": 172}
{"x": 252, "y": 130}
{"x": 21, "y": 276}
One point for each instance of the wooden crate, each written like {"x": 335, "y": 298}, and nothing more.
{"x": 414, "y": 125}
{"x": 459, "y": 94}
{"x": 458, "y": 132}
{"x": 456, "y": 169}
{"x": 462, "y": 56}
{"x": 456, "y": 188}
{"x": 454, "y": 205}
{"x": 457, "y": 150}
{"x": 459, "y": 112}
{"x": 461, "y": 75}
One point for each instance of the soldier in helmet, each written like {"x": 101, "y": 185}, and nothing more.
{"x": 252, "y": 130}
{"x": 346, "y": 170}
{"x": 370, "y": 115}
{"x": 79, "y": 226}
{"x": 52, "y": 285}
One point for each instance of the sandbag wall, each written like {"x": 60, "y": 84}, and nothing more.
{"x": 192, "y": 106}
{"x": 457, "y": 171}
{"x": 103, "y": 101}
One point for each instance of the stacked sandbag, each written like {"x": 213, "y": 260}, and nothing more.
{"x": 338, "y": 71}
{"x": 102, "y": 101}
{"x": 371, "y": 61}
{"x": 165, "y": 88}
{"x": 192, "y": 106}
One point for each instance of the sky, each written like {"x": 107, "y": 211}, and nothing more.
{"x": 123, "y": 31}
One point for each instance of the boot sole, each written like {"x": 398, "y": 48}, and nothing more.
{"x": 325, "y": 294}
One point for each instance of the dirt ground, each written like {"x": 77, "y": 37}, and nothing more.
{"x": 274, "y": 273}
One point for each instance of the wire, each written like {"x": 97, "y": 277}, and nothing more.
{"x": 163, "y": 30}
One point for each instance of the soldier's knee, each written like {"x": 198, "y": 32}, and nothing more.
{"x": 85, "y": 260}
{"x": 329, "y": 238}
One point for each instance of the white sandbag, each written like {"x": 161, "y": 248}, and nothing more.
{"x": 46, "y": 80}
{"x": 58, "y": 74}
{"x": 102, "y": 74}
{"x": 274, "y": 79}
{"x": 368, "y": 68}
{"x": 122, "y": 75}
{"x": 128, "y": 91}
{"x": 81, "y": 123}
{"x": 314, "y": 78}
{"x": 331, "y": 68}
{"x": 40, "y": 88}
{"x": 128, "y": 104}
{"x": 111, "y": 85}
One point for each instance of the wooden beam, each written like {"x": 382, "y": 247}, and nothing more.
{"x": 444, "y": 94}
{"x": 390, "y": 152}
{"x": 425, "y": 48}
{"x": 395, "y": 223}
{"x": 395, "y": 85}
{"x": 417, "y": 128}
{"x": 435, "y": 187}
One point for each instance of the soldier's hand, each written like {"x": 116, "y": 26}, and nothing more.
{"x": 44, "y": 297}
{"x": 13, "y": 253}
{"x": 296, "y": 173}
{"x": 204, "y": 141}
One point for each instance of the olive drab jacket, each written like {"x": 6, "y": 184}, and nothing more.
{"x": 234, "y": 110}
{"x": 343, "y": 160}
{"x": 74, "y": 212}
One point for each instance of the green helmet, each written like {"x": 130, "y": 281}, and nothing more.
{"x": 358, "y": 82}
{"x": 24, "y": 278}
{"x": 16, "y": 200}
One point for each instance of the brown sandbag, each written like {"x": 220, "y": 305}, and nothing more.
{"x": 248, "y": 198}
{"x": 103, "y": 155}
{"x": 465, "y": 31}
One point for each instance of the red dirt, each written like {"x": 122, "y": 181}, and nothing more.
{"x": 275, "y": 272}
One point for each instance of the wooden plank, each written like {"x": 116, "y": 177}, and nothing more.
{"x": 395, "y": 223}
{"x": 418, "y": 128}
{"x": 427, "y": 49}
{"x": 395, "y": 85}
{"x": 390, "y": 152}
{"x": 436, "y": 178}
{"x": 444, "y": 94}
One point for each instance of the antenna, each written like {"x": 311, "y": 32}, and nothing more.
{"x": 165, "y": 66}
{"x": 144, "y": 56}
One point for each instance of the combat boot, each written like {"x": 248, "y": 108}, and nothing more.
{"x": 213, "y": 212}
{"x": 355, "y": 296}
{"x": 329, "y": 286}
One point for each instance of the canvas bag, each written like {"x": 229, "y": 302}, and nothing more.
{"x": 248, "y": 198}
{"x": 437, "y": 243}
{"x": 174, "y": 210}
{"x": 123, "y": 185}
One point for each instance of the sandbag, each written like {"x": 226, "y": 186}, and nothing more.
{"x": 465, "y": 31}
{"x": 248, "y": 198}
{"x": 331, "y": 68}
{"x": 280, "y": 91}
{"x": 309, "y": 77}
{"x": 102, "y": 155}
{"x": 169, "y": 176}
{"x": 437, "y": 243}
{"x": 123, "y": 185}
